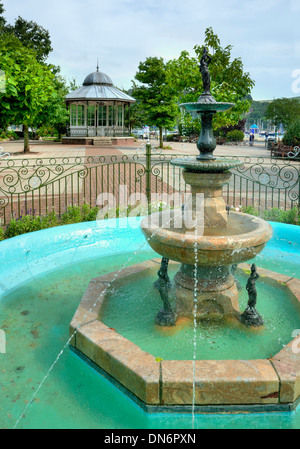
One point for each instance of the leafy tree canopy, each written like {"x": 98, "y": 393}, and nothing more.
{"x": 32, "y": 36}
{"x": 135, "y": 116}
{"x": 283, "y": 111}
{"x": 55, "y": 112}
{"x": 292, "y": 134}
{"x": 23, "y": 85}
{"x": 154, "y": 97}
{"x": 73, "y": 85}
{"x": 29, "y": 85}
{"x": 2, "y": 19}
{"x": 229, "y": 82}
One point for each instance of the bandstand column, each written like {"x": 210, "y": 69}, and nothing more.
{"x": 87, "y": 118}
{"x": 96, "y": 119}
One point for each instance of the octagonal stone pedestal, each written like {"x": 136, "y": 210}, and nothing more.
{"x": 161, "y": 385}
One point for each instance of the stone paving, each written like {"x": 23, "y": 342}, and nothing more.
{"x": 53, "y": 149}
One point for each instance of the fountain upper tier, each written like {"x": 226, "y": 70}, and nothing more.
{"x": 206, "y": 106}
{"x": 207, "y": 103}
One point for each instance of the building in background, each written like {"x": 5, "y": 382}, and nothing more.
{"x": 97, "y": 111}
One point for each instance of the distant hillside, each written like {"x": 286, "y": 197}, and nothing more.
{"x": 258, "y": 109}
{"x": 270, "y": 101}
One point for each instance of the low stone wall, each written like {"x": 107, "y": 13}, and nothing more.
{"x": 77, "y": 140}
{"x": 122, "y": 140}
{"x": 92, "y": 140}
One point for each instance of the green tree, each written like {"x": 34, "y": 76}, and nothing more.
{"x": 229, "y": 82}
{"x": 55, "y": 113}
{"x": 2, "y": 19}
{"x": 29, "y": 86}
{"x": 36, "y": 38}
{"x": 283, "y": 111}
{"x": 155, "y": 98}
{"x": 292, "y": 134}
{"x": 135, "y": 116}
{"x": 32, "y": 36}
{"x": 73, "y": 85}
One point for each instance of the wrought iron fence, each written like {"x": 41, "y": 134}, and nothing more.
{"x": 36, "y": 186}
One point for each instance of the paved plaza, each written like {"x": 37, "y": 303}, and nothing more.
{"x": 54, "y": 176}
{"x": 45, "y": 149}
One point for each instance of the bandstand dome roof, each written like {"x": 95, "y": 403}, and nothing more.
{"x": 98, "y": 86}
{"x": 97, "y": 78}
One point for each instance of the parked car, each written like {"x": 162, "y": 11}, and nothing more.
{"x": 141, "y": 133}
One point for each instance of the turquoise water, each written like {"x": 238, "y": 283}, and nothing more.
{"x": 36, "y": 318}
{"x": 35, "y": 312}
{"x": 216, "y": 340}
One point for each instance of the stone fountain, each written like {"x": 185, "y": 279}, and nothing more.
{"x": 218, "y": 240}
{"x": 207, "y": 252}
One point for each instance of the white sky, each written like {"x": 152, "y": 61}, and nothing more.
{"x": 264, "y": 33}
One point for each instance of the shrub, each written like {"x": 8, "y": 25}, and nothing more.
{"x": 170, "y": 138}
{"x": 8, "y": 135}
{"x": 11, "y": 135}
{"x": 291, "y": 216}
{"x": 251, "y": 210}
{"x": 22, "y": 226}
{"x": 292, "y": 134}
{"x": 235, "y": 136}
{"x": 79, "y": 214}
{"x": 220, "y": 140}
{"x": 240, "y": 126}
{"x": 46, "y": 131}
{"x": 29, "y": 223}
{"x": 73, "y": 215}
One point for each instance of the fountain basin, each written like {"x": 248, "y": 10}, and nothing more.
{"x": 75, "y": 395}
{"x": 167, "y": 385}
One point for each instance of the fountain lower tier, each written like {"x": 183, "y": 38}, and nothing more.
{"x": 203, "y": 235}
{"x": 213, "y": 287}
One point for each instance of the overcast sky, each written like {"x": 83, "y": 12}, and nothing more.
{"x": 264, "y": 33}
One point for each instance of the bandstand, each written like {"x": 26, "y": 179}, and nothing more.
{"x": 97, "y": 112}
